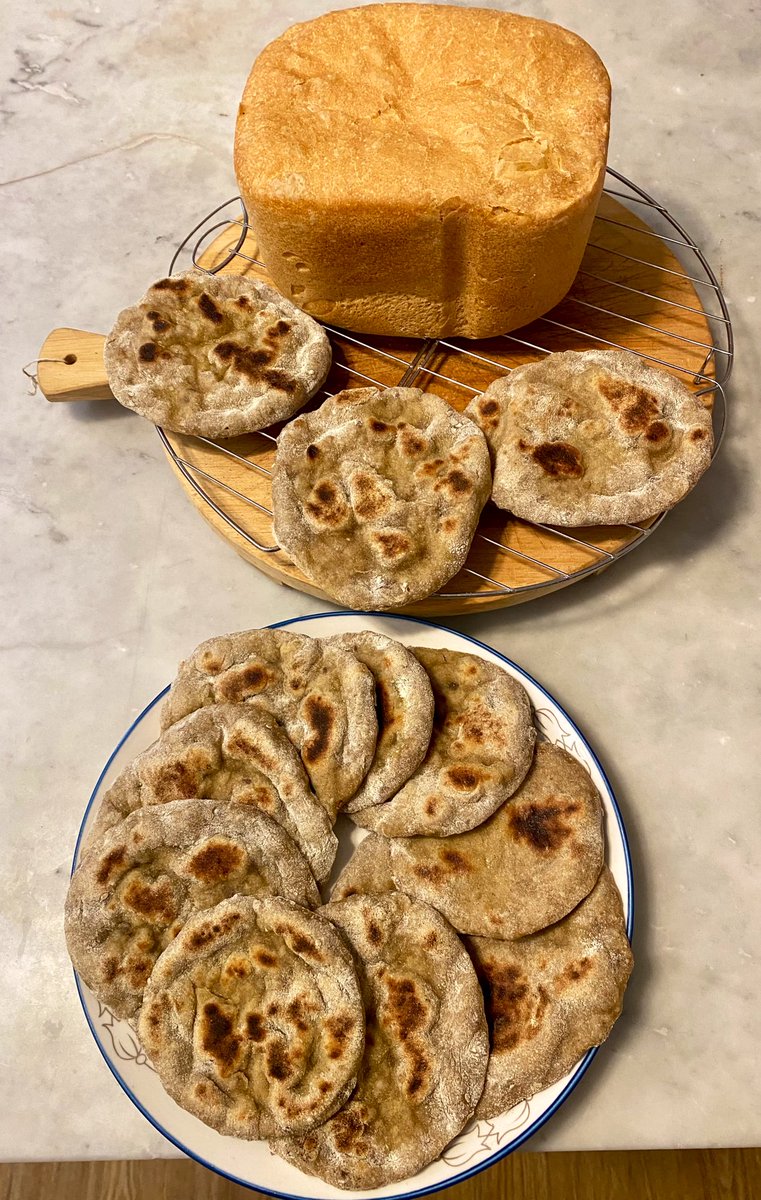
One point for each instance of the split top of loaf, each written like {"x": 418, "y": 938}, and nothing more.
{"x": 409, "y": 103}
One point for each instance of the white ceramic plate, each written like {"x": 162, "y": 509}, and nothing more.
{"x": 482, "y": 1142}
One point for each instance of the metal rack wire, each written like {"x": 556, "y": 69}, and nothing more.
{"x": 709, "y": 379}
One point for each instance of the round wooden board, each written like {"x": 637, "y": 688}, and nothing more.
{"x": 614, "y": 300}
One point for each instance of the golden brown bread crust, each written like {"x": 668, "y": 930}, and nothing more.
{"x": 134, "y": 890}
{"x": 450, "y": 166}
{"x": 253, "y": 1018}
{"x": 592, "y": 438}
{"x": 425, "y": 1050}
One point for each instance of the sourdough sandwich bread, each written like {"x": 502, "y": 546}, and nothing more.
{"x": 423, "y": 169}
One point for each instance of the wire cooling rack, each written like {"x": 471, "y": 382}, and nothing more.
{"x": 644, "y": 286}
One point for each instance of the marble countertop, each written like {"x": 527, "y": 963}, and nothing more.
{"x": 117, "y": 139}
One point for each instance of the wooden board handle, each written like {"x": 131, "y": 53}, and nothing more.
{"x": 71, "y": 366}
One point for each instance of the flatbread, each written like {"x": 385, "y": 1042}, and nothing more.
{"x": 216, "y": 355}
{"x": 321, "y": 694}
{"x": 425, "y": 1051}
{"x": 133, "y": 891}
{"x": 368, "y": 871}
{"x": 404, "y": 702}
{"x": 526, "y": 867}
{"x": 227, "y": 752}
{"x": 592, "y": 438}
{"x": 551, "y": 996}
{"x": 253, "y": 1018}
{"x": 480, "y": 750}
{"x": 376, "y": 494}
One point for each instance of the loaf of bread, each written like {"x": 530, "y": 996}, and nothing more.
{"x": 423, "y": 169}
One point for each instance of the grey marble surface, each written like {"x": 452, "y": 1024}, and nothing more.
{"x": 117, "y": 137}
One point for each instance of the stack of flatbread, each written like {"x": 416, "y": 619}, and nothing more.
{"x": 473, "y": 948}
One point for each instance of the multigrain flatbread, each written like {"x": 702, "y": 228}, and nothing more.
{"x": 216, "y": 355}
{"x": 481, "y": 748}
{"x": 320, "y": 693}
{"x": 368, "y": 871}
{"x": 551, "y": 996}
{"x": 425, "y": 1052}
{"x": 227, "y": 752}
{"x": 376, "y": 495}
{"x": 404, "y": 702}
{"x": 253, "y": 1018}
{"x": 133, "y": 891}
{"x": 592, "y": 438}
{"x": 526, "y": 867}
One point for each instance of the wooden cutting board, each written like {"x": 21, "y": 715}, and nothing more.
{"x": 631, "y": 291}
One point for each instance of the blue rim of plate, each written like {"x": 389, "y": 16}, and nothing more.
{"x": 586, "y": 1060}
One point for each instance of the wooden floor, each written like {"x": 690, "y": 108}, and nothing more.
{"x": 620, "y": 1175}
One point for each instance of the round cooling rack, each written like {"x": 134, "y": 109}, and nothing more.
{"x": 482, "y": 1143}
{"x": 644, "y": 286}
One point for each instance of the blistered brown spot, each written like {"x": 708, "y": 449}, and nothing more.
{"x": 216, "y": 861}
{"x": 431, "y": 468}
{"x": 238, "y": 967}
{"x": 217, "y": 1037}
{"x": 347, "y": 1129}
{"x": 379, "y": 426}
{"x": 338, "y": 1030}
{"x": 412, "y": 442}
{"x": 387, "y": 715}
{"x": 697, "y": 435}
{"x": 265, "y": 958}
{"x": 244, "y": 360}
{"x": 373, "y": 931}
{"x": 111, "y": 864}
{"x": 159, "y": 325}
{"x": 488, "y": 408}
{"x": 207, "y": 933}
{"x": 278, "y": 1061}
{"x": 256, "y": 1028}
{"x": 393, "y": 543}
{"x": 558, "y": 460}
{"x": 147, "y": 352}
{"x": 111, "y": 969}
{"x": 280, "y": 328}
{"x": 449, "y": 524}
{"x": 541, "y": 824}
{"x": 250, "y": 680}
{"x": 430, "y": 940}
{"x": 368, "y": 499}
{"x": 242, "y": 302}
{"x": 209, "y": 309}
{"x": 154, "y": 902}
{"x": 324, "y": 1086}
{"x": 299, "y": 942}
{"x": 211, "y": 663}
{"x": 465, "y": 779}
{"x": 457, "y": 863}
{"x": 405, "y": 1010}
{"x": 429, "y": 872}
{"x": 419, "y": 1070}
{"x": 138, "y": 973}
{"x": 328, "y": 504}
{"x": 505, "y": 994}
{"x": 635, "y": 406}
{"x": 573, "y": 973}
{"x": 431, "y": 805}
{"x": 456, "y": 482}
{"x": 312, "y": 452}
{"x": 657, "y": 431}
{"x": 177, "y": 780}
{"x": 172, "y": 285}
{"x": 298, "y": 1010}
{"x": 319, "y": 715}
{"x": 279, "y": 379}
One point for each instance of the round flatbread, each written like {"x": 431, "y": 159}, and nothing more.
{"x": 425, "y": 1052}
{"x": 404, "y": 702}
{"x": 253, "y": 1018}
{"x": 227, "y": 752}
{"x": 368, "y": 871}
{"x": 592, "y": 438}
{"x": 321, "y": 694}
{"x": 480, "y": 750}
{"x": 551, "y": 996}
{"x": 134, "y": 890}
{"x": 376, "y": 495}
{"x": 526, "y": 867}
{"x": 215, "y": 355}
